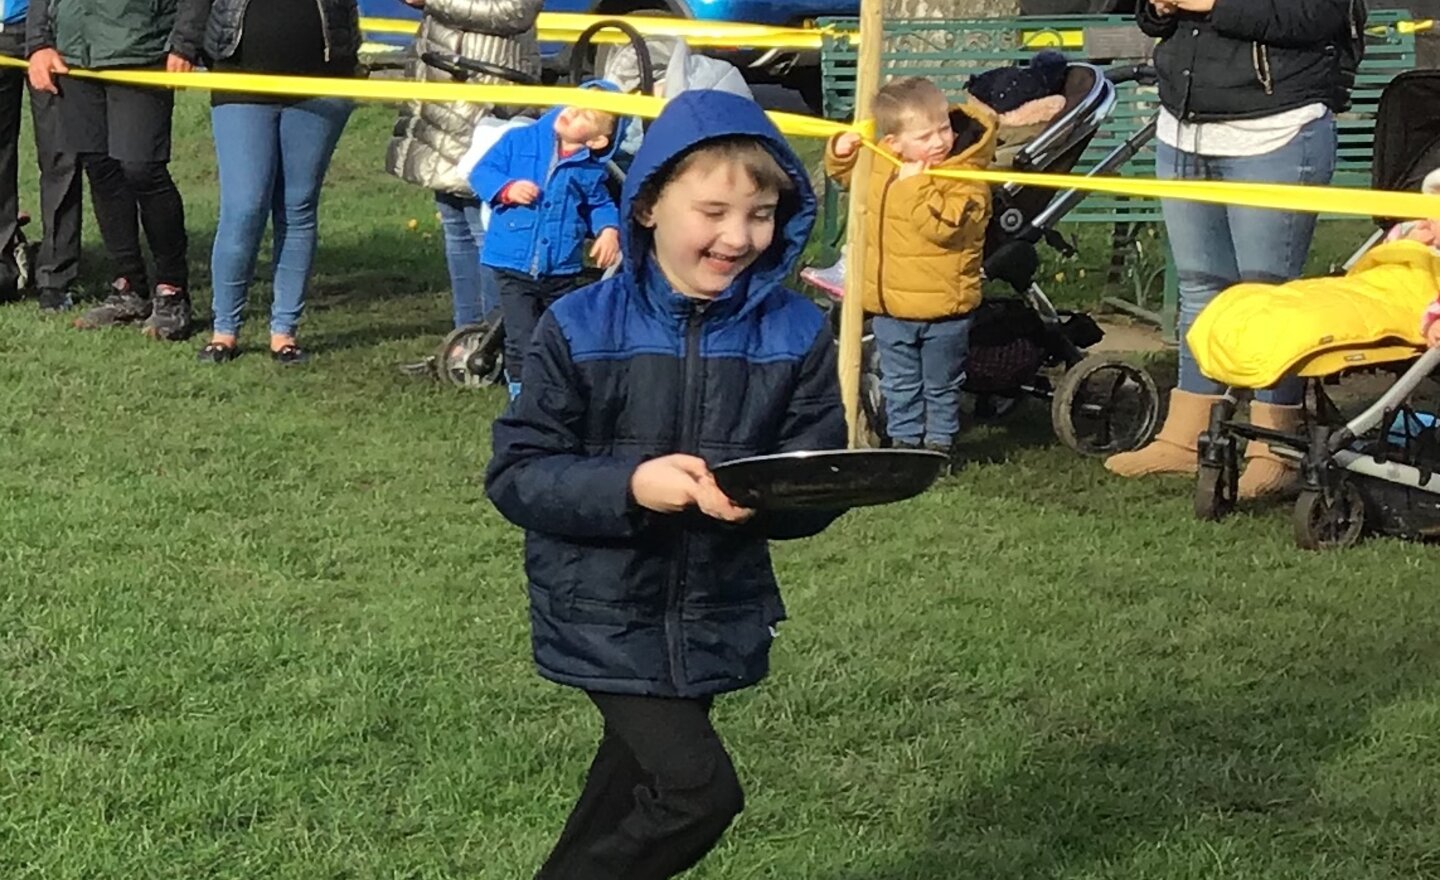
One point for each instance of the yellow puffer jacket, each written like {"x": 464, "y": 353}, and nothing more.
{"x": 924, "y": 236}
{"x": 1254, "y": 335}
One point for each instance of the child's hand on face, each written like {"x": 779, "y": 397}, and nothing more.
{"x": 910, "y": 169}
{"x": 606, "y": 250}
{"x": 522, "y": 192}
{"x": 1423, "y": 232}
{"x": 846, "y": 144}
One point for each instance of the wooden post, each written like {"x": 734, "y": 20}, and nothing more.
{"x": 857, "y": 261}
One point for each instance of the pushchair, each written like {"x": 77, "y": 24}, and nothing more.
{"x": 473, "y": 355}
{"x": 1099, "y": 405}
{"x": 1376, "y": 472}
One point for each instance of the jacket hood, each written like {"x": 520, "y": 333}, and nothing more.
{"x": 982, "y": 152}
{"x": 693, "y": 118}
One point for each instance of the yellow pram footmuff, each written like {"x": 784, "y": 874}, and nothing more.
{"x": 1254, "y": 335}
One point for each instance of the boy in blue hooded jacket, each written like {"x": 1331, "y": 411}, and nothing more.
{"x": 649, "y": 589}
{"x": 546, "y": 185}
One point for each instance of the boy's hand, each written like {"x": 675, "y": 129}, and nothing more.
{"x": 606, "y": 250}
{"x": 44, "y": 64}
{"x": 178, "y": 64}
{"x": 845, "y": 145}
{"x": 521, "y": 192}
{"x": 910, "y": 169}
{"x": 716, "y": 504}
{"x": 1163, "y": 7}
{"x": 668, "y": 484}
{"x": 1192, "y": 5}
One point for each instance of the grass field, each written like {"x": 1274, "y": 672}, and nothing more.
{"x": 258, "y": 623}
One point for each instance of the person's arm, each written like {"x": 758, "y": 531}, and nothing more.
{"x": 599, "y": 208}
{"x": 540, "y": 477}
{"x": 943, "y": 210}
{"x": 503, "y": 18}
{"x": 39, "y": 29}
{"x": 187, "y": 37}
{"x": 492, "y": 174}
{"x": 1282, "y": 22}
{"x": 840, "y": 164}
{"x": 814, "y": 420}
{"x": 1153, "y": 23}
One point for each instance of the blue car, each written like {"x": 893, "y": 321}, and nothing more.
{"x": 797, "y": 69}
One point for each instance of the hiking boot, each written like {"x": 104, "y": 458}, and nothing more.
{"x": 170, "y": 319}
{"x": 122, "y": 306}
{"x": 55, "y": 299}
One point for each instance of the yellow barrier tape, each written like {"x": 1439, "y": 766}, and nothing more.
{"x": 1278, "y": 196}
{"x": 566, "y": 27}
{"x": 397, "y": 90}
{"x": 1320, "y": 200}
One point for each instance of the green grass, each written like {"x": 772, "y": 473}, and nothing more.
{"x": 263, "y": 624}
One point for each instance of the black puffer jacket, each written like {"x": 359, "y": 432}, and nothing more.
{"x": 1249, "y": 58}
{"x": 342, "y": 27}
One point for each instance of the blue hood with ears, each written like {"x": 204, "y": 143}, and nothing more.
{"x": 689, "y": 120}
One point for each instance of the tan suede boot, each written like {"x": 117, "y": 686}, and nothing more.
{"x": 1175, "y": 449}
{"x": 1266, "y": 473}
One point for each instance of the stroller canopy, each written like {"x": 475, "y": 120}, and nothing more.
{"x": 1407, "y": 132}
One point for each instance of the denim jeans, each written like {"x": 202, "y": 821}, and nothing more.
{"x": 1217, "y": 246}
{"x": 922, "y": 367}
{"x": 473, "y": 288}
{"x": 272, "y": 160}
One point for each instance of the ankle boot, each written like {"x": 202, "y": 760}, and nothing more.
{"x": 1175, "y": 450}
{"x": 1265, "y": 472}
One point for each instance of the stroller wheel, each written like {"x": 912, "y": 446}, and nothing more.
{"x": 470, "y": 356}
{"x": 1104, "y": 406}
{"x": 1329, "y": 523}
{"x": 1215, "y": 491}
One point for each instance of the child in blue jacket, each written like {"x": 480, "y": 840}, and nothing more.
{"x": 546, "y": 185}
{"x": 649, "y": 589}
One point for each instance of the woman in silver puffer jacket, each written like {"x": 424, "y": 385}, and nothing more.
{"x": 431, "y": 138}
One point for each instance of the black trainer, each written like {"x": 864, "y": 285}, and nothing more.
{"x": 122, "y": 306}
{"x": 170, "y": 318}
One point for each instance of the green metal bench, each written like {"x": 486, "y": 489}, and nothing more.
{"x": 949, "y": 51}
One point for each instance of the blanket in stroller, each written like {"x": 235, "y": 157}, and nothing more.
{"x": 1254, "y": 335}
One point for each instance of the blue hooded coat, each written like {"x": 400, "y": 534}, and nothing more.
{"x": 546, "y": 237}
{"x": 624, "y": 600}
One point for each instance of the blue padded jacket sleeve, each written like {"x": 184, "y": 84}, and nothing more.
{"x": 492, "y": 173}
{"x": 1297, "y": 23}
{"x": 540, "y": 477}
{"x": 600, "y": 210}
{"x": 814, "y": 420}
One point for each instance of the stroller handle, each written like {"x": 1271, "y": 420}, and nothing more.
{"x": 1144, "y": 74}
{"x": 465, "y": 68}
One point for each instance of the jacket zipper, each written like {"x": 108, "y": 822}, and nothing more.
{"x": 324, "y": 27}
{"x": 880, "y": 246}
{"x": 690, "y": 445}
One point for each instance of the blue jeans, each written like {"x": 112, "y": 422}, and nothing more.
{"x": 922, "y": 367}
{"x": 272, "y": 159}
{"x": 473, "y": 288}
{"x": 1217, "y": 246}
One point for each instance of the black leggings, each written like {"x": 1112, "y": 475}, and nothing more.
{"x": 660, "y": 793}
{"x": 128, "y": 195}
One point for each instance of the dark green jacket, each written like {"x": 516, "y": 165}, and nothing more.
{"x": 117, "y": 33}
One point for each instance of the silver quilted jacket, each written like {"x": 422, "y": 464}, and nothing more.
{"x": 431, "y": 137}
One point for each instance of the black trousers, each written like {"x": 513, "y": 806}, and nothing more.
{"x": 522, "y": 301}
{"x": 58, "y": 261}
{"x": 127, "y": 195}
{"x": 660, "y": 793}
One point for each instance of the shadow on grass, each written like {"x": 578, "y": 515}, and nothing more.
{"x": 1246, "y": 761}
